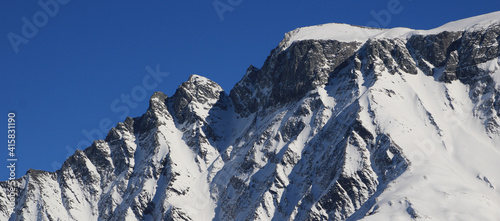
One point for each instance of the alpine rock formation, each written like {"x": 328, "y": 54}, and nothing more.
{"x": 340, "y": 123}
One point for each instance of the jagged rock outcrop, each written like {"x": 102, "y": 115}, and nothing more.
{"x": 376, "y": 125}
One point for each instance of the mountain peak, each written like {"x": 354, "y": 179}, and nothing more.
{"x": 352, "y": 33}
{"x": 324, "y": 130}
{"x": 197, "y": 84}
{"x": 198, "y": 94}
{"x": 199, "y": 80}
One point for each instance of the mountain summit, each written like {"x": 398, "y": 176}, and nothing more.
{"x": 340, "y": 123}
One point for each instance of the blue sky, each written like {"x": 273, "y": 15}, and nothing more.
{"x": 83, "y": 67}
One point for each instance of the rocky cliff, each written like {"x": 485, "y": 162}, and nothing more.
{"x": 340, "y": 123}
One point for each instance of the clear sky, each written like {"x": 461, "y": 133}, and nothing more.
{"x": 71, "y": 69}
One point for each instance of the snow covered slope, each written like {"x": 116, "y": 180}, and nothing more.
{"x": 348, "y": 33}
{"x": 340, "y": 123}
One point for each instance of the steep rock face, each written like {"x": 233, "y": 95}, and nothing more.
{"x": 287, "y": 76}
{"x": 384, "y": 126}
{"x": 436, "y": 51}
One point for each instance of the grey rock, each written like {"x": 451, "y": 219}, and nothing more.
{"x": 272, "y": 149}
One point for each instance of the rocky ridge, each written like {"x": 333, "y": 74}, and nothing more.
{"x": 326, "y": 129}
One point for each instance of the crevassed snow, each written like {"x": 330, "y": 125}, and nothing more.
{"x": 350, "y": 33}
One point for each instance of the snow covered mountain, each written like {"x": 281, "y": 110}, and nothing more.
{"x": 341, "y": 123}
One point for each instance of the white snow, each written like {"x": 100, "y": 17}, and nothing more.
{"x": 453, "y": 172}
{"x": 350, "y": 33}
{"x": 493, "y": 67}
{"x": 191, "y": 181}
{"x": 449, "y": 161}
